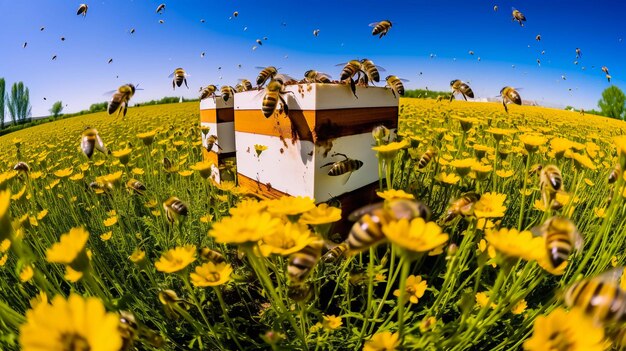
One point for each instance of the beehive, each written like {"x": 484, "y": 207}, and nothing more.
{"x": 218, "y": 116}
{"x": 323, "y": 119}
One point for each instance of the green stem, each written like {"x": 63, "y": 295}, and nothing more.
{"x": 199, "y": 307}
{"x": 231, "y": 328}
{"x": 406, "y": 267}
{"x": 520, "y": 220}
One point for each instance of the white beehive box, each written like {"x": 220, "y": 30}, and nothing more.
{"x": 323, "y": 119}
{"x": 218, "y": 116}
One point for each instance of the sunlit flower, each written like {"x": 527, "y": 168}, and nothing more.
{"x": 106, "y": 236}
{"x": 78, "y": 176}
{"x": 204, "y": 168}
{"x": 137, "y": 256}
{"x": 519, "y": 307}
{"x": 206, "y": 218}
{"x": 448, "y": 178}
{"x": 512, "y": 243}
{"x": 27, "y": 273}
{"x": 532, "y": 141}
{"x": 74, "y": 324}
{"x": 415, "y": 288}
{"x": 582, "y": 161}
{"x": 394, "y": 194}
{"x": 389, "y": 151}
{"x": 499, "y": 133}
{"x": 293, "y": 238}
{"x": 64, "y": 173}
{"x": 211, "y": 274}
{"x": 599, "y": 212}
{"x": 71, "y": 275}
{"x": 322, "y": 214}
{"x": 559, "y": 146}
{"x": 70, "y": 249}
{"x": 489, "y": 249}
{"x": 185, "y": 173}
{"x": 5, "y": 245}
{"x": 137, "y": 171}
{"x": 259, "y": 149}
{"x": 620, "y": 143}
{"x": 35, "y": 175}
{"x": 3, "y": 260}
{"x": 147, "y": 137}
{"x": 384, "y": 341}
{"x": 589, "y": 182}
{"x": 122, "y": 155}
{"x": 562, "y": 330}
{"x": 490, "y": 205}
{"x": 482, "y": 171}
{"x": 331, "y": 322}
{"x": 245, "y": 229}
{"x": 176, "y": 259}
{"x": 290, "y": 206}
{"x": 110, "y": 221}
{"x": 482, "y": 299}
{"x": 416, "y": 236}
{"x": 427, "y": 324}
{"x": 463, "y": 166}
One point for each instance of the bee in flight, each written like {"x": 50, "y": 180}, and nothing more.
{"x": 459, "y": 87}
{"x": 130, "y": 331}
{"x": 381, "y": 28}
{"x": 578, "y": 53}
{"x": 121, "y": 97}
{"x": 180, "y": 77}
{"x": 313, "y": 76}
{"x": 561, "y": 238}
{"x": 227, "y": 91}
{"x": 136, "y": 186}
{"x": 615, "y": 173}
{"x": 495, "y": 8}
{"x": 347, "y": 165}
{"x": 509, "y": 94}
{"x": 243, "y": 85}
{"x": 91, "y": 141}
{"x": 207, "y": 92}
{"x": 160, "y": 9}
{"x": 301, "y": 263}
{"x": 21, "y": 167}
{"x": 601, "y": 298}
{"x": 174, "y": 209}
{"x": 370, "y": 72}
{"x": 430, "y": 153}
{"x": 210, "y": 141}
{"x": 267, "y": 73}
{"x": 211, "y": 255}
{"x": 316, "y": 32}
{"x": 535, "y": 170}
{"x": 518, "y": 16}
{"x": 336, "y": 253}
{"x": 538, "y": 37}
{"x": 274, "y": 92}
{"x": 369, "y": 220}
{"x": 395, "y": 83}
{"x": 82, "y": 10}
{"x": 351, "y": 70}
{"x": 463, "y": 206}
{"x": 550, "y": 183}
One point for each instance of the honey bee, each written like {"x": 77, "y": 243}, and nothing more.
{"x": 174, "y": 208}
{"x": 509, "y": 94}
{"x": 316, "y": 32}
{"x": 300, "y": 292}
{"x": 208, "y": 91}
{"x": 227, "y": 91}
{"x": 245, "y": 84}
{"x": 458, "y": 87}
{"x": 608, "y": 77}
{"x": 313, "y": 76}
{"x": 495, "y": 8}
{"x": 371, "y": 71}
{"x": 21, "y": 167}
{"x": 550, "y": 183}
{"x": 210, "y": 141}
{"x": 347, "y": 165}
{"x": 518, "y": 16}
{"x": 136, "y": 186}
{"x": 334, "y": 254}
{"x": 538, "y": 37}
{"x": 578, "y": 53}
{"x": 169, "y": 166}
{"x": 349, "y": 71}
{"x": 160, "y": 9}
{"x": 211, "y": 255}
{"x": 464, "y": 206}
{"x": 369, "y": 220}
{"x": 267, "y": 73}
{"x": 120, "y": 99}
{"x": 132, "y": 31}
{"x": 274, "y": 92}
{"x": 615, "y": 173}
{"x": 180, "y": 77}
{"x": 600, "y": 297}
{"x": 301, "y": 263}
{"x": 561, "y": 238}
{"x": 381, "y": 28}
{"x": 91, "y": 141}
{"x": 430, "y": 153}
{"x": 535, "y": 169}
{"x": 130, "y": 331}
{"x": 605, "y": 70}
{"x": 395, "y": 83}
{"x": 82, "y": 10}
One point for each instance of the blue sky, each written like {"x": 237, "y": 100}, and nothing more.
{"x": 448, "y": 29}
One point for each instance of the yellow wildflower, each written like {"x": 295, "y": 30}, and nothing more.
{"x": 70, "y": 249}
{"x": 64, "y": 173}
{"x": 384, "y": 341}
{"x": 331, "y": 322}
{"x": 415, "y": 288}
{"x": 322, "y": 214}
{"x": 106, "y": 236}
{"x": 245, "y": 229}
{"x": 211, "y": 274}
{"x": 110, "y": 221}
{"x": 490, "y": 205}
{"x": 394, "y": 194}
{"x": 259, "y": 149}
{"x": 446, "y": 178}
{"x": 519, "y": 307}
{"x": 512, "y": 243}
{"x": 482, "y": 299}
{"x": 137, "y": 256}
{"x": 561, "y": 328}
{"x": 71, "y": 275}
{"x": 27, "y": 273}
{"x": 176, "y": 259}
{"x": 122, "y": 155}
{"x": 290, "y": 206}
{"x": 416, "y": 236}
{"x": 293, "y": 238}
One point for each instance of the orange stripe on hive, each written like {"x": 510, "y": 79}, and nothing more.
{"x": 264, "y": 191}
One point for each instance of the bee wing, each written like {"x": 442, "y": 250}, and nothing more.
{"x": 355, "y": 215}
{"x": 325, "y": 75}
{"x": 100, "y": 145}
{"x": 612, "y": 275}
{"x": 341, "y": 64}
{"x": 380, "y": 69}
{"x": 171, "y": 75}
{"x": 404, "y": 80}
{"x": 374, "y": 24}
{"x": 259, "y": 67}
{"x": 111, "y": 92}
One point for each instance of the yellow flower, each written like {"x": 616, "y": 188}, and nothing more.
{"x": 498, "y": 133}
{"x": 482, "y": 171}
{"x": 463, "y": 166}
{"x": 176, "y": 259}
{"x": 19, "y": 195}
{"x": 106, "y": 236}
{"x": 35, "y": 175}
{"x": 415, "y": 288}
{"x": 331, "y": 322}
{"x": 448, "y": 178}
{"x": 293, "y": 238}
{"x": 147, "y": 137}
{"x": 110, "y": 221}
{"x": 532, "y": 141}
{"x": 322, "y": 214}
{"x": 519, "y": 307}
{"x": 562, "y": 329}
{"x": 512, "y": 243}
{"x": 259, "y": 149}
{"x": 504, "y": 173}
{"x": 138, "y": 171}
{"x": 560, "y": 145}
{"x": 589, "y": 182}
{"x": 211, "y": 274}
{"x": 290, "y": 206}
{"x": 384, "y": 341}
{"x": 490, "y": 205}
{"x": 390, "y": 150}
{"x": 42, "y": 297}
{"x": 491, "y": 251}
{"x": 27, "y": 273}
{"x": 416, "y": 236}
{"x": 614, "y": 263}
{"x": 427, "y": 324}
{"x": 204, "y": 168}
{"x": 5, "y": 215}
{"x": 245, "y": 229}
{"x": 5, "y": 245}
{"x": 3, "y": 260}
{"x": 70, "y": 249}
{"x": 71, "y": 275}
{"x": 137, "y": 256}
{"x": 74, "y": 324}
{"x": 482, "y": 299}
{"x": 77, "y": 177}
{"x": 110, "y": 179}
{"x": 394, "y": 194}
{"x": 207, "y": 218}
{"x": 122, "y": 155}
{"x": 64, "y": 173}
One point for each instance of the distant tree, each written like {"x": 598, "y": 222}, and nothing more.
{"x": 612, "y": 102}
{"x": 2, "y": 100}
{"x": 56, "y": 109}
{"x": 18, "y": 102}
{"x": 101, "y": 106}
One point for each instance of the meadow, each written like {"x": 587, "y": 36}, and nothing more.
{"x": 216, "y": 277}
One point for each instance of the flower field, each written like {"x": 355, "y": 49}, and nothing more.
{"x": 124, "y": 251}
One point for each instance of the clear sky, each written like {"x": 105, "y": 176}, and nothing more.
{"x": 446, "y": 29}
